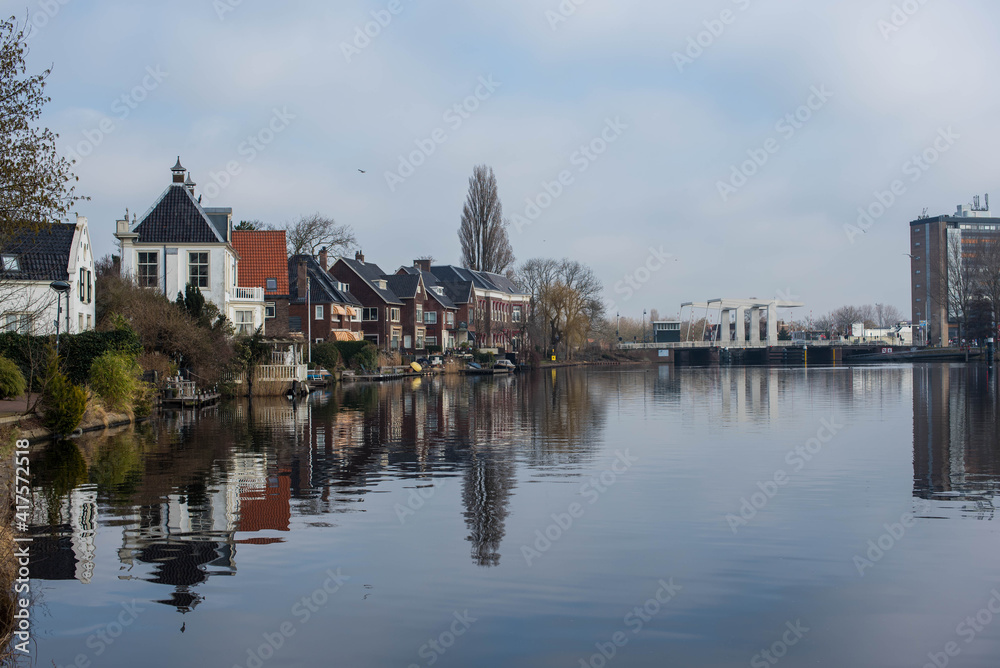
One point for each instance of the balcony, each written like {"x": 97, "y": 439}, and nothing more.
{"x": 246, "y": 295}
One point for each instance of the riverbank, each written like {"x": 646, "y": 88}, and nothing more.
{"x": 29, "y": 426}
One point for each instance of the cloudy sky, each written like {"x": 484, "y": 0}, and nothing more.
{"x": 646, "y": 111}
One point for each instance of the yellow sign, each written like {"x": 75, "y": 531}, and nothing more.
{"x": 553, "y": 358}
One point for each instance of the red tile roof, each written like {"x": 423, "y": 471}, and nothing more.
{"x": 263, "y": 255}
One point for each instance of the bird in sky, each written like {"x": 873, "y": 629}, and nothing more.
{"x": 362, "y": 171}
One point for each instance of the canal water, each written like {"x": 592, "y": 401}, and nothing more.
{"x": 577, "y": 517}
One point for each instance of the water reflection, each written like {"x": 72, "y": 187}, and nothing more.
{"x": 956, "y": 453}
{"x": 179, "y": 498}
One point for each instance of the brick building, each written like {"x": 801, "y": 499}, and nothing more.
{"x": 264, "y": 264}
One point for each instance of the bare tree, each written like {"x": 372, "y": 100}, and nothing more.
{"x": 887, "y": 315}
{"x": 35, "y": 183}
{"x": 309, "y": 234}
{"x": 566, "y": 300}
{"x": 962, "y": 287}
{"x": 483, "y": 232}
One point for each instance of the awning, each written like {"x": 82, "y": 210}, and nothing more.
{"x": 351, "y": 311}
{"x": 346, "y": 336}
{"x": 337, "y": 309}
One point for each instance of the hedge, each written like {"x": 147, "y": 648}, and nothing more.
{"x": 77, "y": 352}
{"x": 355, "y": 354}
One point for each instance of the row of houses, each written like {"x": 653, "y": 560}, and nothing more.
{"x": 250, "y": 277}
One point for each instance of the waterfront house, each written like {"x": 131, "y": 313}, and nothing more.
{"x": 264, "y": 264}
{"x": 178, "y": 242}
{"x": 30, "y": 261}
{"x": 331, "y": 312}
{"x": 492, "y": 312}
{"x": 381, "y": 308}
{"x": 439, "y": 313}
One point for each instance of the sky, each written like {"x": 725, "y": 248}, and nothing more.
{"x": 685, "y": 151}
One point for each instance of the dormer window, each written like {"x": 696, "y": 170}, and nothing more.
{"x": 271, "y": 284}
{"x": 382, "y": 285}
{"x": 11, "y": 263}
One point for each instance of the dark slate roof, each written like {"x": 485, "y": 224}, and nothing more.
{"x": 403, "y": 286}
{"x": 481, "y": 280}
{"x": 322, "y": 288}
{"x": 431, "y": 282}
{"x": 177, "y": 218}
{"x": 42, "y": 255}
{"x": 502, "y": 283}
{"x": 370, "y": 272}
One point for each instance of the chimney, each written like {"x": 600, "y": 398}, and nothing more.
{"x": 360, "y": 257}
{"x": 302, "y": 284}
{"x": 323, "y": 258}
{"x": 422, "y": 265}
{"x": 190, "y": 184}
{"x": 177, "y": 172}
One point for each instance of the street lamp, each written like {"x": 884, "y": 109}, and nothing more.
{"x": 644, "y": 326}
{"x": 61, "y": 288}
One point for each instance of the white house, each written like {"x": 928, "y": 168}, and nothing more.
{"x": 178, "y": 242}
{"x": 30, "y": 262}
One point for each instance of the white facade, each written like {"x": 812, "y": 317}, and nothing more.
{"x": 30, "y": 306}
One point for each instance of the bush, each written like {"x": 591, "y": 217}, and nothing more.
{"x": 326, "y": 355}
{"x": 11, "y": 380}
{"x": 63, "y": 403}
{"x": 115, "y": 377}
{"x": 358, "y": 354}
{"x": 142, "y": 403}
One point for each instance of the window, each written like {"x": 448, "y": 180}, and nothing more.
{"x": 450, "y": 318}
{"x": 81, "y": 323}
{"x": 198, "y": 269}
{"x": 11, "y": 263}
{"x": 269, "y": 311}
{"x": 431, "y": 317}
{"x": 17, "y": 322}
{"x": 88, "y": 322}
{"x": 319, "y": 312}
{"x": 420, "y": 313}
{"x": 244, "y": 322}
{"x": 81, "y": 286}
{"x": 90, "y": 286}
{"x": 271, "y": 284}
{"x": 407, "y": 342}
{"x": 394, "y": 316}
{"x": 149, "y": 269}
{"x": 431, "y": 340}
{"x": 420, "y": 339}
{"x": 516, "y": 313}
{"x": 369, "y": 314}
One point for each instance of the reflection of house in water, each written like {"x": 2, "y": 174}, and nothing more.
{"x": 956, "y": 453}
{"x": 62, "y": 546}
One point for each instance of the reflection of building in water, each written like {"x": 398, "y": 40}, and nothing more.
{"x": 63, "y": 545}
{"x": 956, "y": 452}
{"x": 486, "y": 492}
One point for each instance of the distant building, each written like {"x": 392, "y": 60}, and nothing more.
{"x": 178, "y": 243}
{"x": 439, "y": 318}
{"x": 934, "y": 243}
{"x": 381, "y": 308}
{"x": 667, "y": 331}
{"x": 30, "y": 262}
